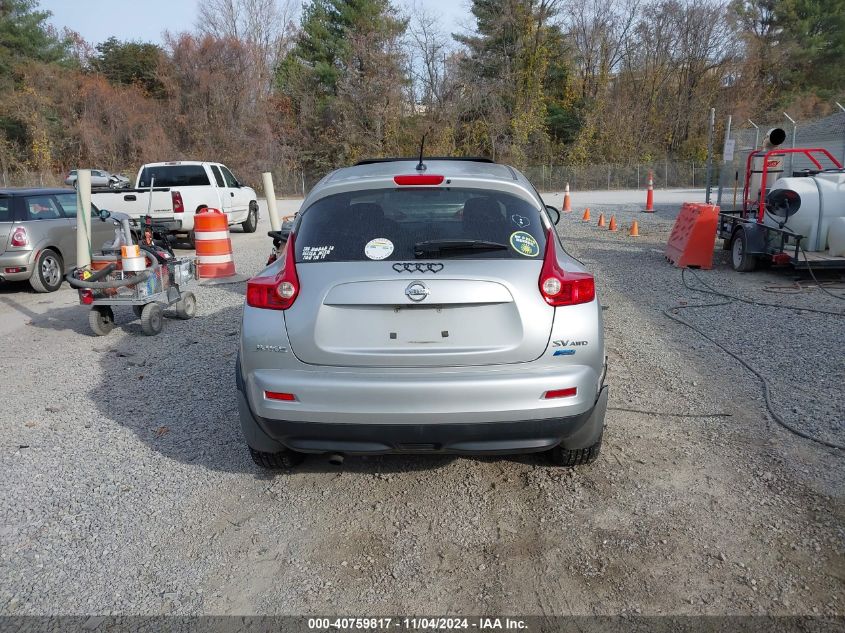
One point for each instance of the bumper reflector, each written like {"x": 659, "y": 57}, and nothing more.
{"x": 560, "y": 393}
{"x": 277, "y": 395}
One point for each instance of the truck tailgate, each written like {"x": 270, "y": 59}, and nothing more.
{"x": 135, "y": 202}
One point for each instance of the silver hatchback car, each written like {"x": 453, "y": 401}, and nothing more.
{"x": 422, "y": 308}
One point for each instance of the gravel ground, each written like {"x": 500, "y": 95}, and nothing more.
{"x": 127, "y": 489}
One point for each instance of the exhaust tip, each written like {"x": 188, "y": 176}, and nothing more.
{"x": 336, "y": 459}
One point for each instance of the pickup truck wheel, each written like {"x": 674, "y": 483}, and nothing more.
{"x": 192, "y": 240}
{"x": 741, "y": 260}
{"x": 283, "y": 460}
{"x": 101, "y": 320}
{"x": 563, "y": 457}
{"x": 251, "y": 223}
{"x": 152, "y": 319}
{"x": 49, "y": 268}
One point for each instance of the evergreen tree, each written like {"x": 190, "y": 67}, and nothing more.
{"x": 128, "y": 63}
{"x": 25, "y": 36}
{"x": 513, "y": 63}
{"x": 335, "y": 78}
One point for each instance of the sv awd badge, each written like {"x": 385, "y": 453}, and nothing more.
{"x": 569, "y": 343}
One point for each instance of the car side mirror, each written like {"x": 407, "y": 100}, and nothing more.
{"x": 104, "y": 214}
{"x": 554, "y": 214}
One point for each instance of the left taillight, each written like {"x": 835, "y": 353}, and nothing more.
{"x": 19, "y": 237}
{"x": 176, "y": 199}
{"x": 279, "y": 291}
{"x": 562, "y": 288}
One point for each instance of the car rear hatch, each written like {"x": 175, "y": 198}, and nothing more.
{"x": 419, "y": 278}
{"x": 6, "y": 223}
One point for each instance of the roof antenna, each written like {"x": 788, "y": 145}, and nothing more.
{"x": 421, "y": 166}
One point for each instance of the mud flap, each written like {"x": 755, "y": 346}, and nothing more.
{"x": 590, "y": 432}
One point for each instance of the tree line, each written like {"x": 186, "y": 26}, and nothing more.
{"x": 267, "y": 84}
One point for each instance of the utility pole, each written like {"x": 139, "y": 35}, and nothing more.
{"x": 710, "y": 131}
{"x": 727, "y": 157}
{"x": 794, "y": 132}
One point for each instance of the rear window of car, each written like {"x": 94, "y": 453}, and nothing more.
{"x": 174, "y": 176}
{"x": 5, "y": 209}
{"x": 41, "y": 208}
{"x": 412, "y": 223}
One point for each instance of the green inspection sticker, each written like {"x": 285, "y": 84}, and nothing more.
{"x": 525, "y": 244}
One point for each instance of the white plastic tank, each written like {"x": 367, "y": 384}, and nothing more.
{"x": 822, "y": 200}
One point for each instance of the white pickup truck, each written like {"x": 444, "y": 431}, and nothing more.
{"x": 179, "y": 190}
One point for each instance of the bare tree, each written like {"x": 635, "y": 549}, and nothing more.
{"x": 428, "y": 51}
{"x": 266, "y": 27}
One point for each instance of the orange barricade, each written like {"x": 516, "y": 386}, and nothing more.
{"x": 214, "y": 247}
{"x": 693, "y": 236}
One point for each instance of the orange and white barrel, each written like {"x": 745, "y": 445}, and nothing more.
{"x": 214, "y": 247}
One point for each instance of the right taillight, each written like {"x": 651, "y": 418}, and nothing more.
{"x": 279, "y": 291}
{"x": 178, "y": 205}
{"x": 19, "y": 237}
{"x": 562, "y": 288}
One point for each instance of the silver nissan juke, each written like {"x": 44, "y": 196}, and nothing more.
{"x": 422, "y": 307}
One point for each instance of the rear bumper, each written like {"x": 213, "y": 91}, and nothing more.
{"x": 17, "y": 259}
{"x": 428, "y": 429}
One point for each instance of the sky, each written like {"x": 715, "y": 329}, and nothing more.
{"x": 97, "y": 20}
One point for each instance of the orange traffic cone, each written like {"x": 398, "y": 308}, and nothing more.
{"x": 567, "y": 203}
{"x": 612, "y": 225}
{"x": 635, "y": 229}
{"x": 601, "y": 224}
{"x": 649, "y": 199}
{"x": 586, "y": 216}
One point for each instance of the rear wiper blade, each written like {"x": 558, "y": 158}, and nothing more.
{"x": 434, "y": 247}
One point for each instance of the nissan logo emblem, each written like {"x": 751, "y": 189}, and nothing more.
{"x": 417, "y": 291}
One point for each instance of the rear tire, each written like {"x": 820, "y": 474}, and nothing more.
{"x": 152, "y": 319}
{"x": 49, "y": 268}
{"x": 101, "y": 320}
{"x": 578, "y": 457}
{"x": 283, "y": 460}
{"x": 741, "y": 260}
{"x": 186, "y": 307}
{"x": 251, "y": 223}
{"x": 192, "y": 240}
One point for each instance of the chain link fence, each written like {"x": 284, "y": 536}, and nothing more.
{"x": 669, "y": 173}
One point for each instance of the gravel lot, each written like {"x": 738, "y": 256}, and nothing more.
{"x": 127, "y": 488}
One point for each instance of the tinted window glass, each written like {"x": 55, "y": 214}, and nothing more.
{"x": 5, "y": 209}
{"x": 391, "y": 224}
{"x": 42, "y": 208}
{"x": 218, "y": 177}
{"x": 174, "y": 176}
{"x": 231, "y": 181}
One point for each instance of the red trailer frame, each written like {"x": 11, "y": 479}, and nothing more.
{"x": 748, "y": 204}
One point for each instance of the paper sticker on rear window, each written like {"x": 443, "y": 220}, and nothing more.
{"x": 520, "y": 220}
{"x": 315, "y": 253}
{"x": 379, "y": 248}
{"x": 525, "y": 244}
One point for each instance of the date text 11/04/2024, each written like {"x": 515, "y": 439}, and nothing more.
{"x": 416, "y": 623}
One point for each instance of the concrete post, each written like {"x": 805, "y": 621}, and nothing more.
{"x": 83, "y": 218}
{"x": 270, "y": 195}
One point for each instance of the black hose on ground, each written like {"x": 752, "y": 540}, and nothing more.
{"x": 672, "y": 314}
